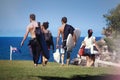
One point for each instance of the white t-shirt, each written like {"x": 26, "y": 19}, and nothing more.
{"x": 89, "y": 42}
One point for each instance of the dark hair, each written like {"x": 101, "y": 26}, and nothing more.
{"x": 32, "y": 16}
{"x": 90, "y": 32}
{"x": 39, "y": 24}
{"x": 46, "y": 25}
{"x": 64, "y": 19}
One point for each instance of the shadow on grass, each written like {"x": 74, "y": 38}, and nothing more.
{"x": 83, "y": 77}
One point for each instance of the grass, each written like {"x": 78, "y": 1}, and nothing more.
{"x": 24, "y": 70}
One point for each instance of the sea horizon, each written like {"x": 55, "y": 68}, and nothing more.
{"x": 25, "y": 54}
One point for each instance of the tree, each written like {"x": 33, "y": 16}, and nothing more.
{"x": 113, "y": 19}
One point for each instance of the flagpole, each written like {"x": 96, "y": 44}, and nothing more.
{"x": 10, "y": 52}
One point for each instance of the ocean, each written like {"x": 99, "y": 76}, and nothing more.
{"x": 25, "y": 54}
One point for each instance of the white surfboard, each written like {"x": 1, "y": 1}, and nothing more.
{"x": 70, "y": 43}
{"x": 77, "y": 33}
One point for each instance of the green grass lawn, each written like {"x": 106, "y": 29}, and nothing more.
{"x": 25, "y": 70}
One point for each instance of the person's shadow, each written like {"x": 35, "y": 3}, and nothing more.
{"x": 82, "y": 77}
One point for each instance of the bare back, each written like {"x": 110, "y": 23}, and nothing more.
{"x": 31, "y": 27}
{"x": 61, "y": 31}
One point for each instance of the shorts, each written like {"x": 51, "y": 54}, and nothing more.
{"x": 36, "y": 49}
{"x": 64, "y": 45}
{"x": 62, "y": 50}
{"x": 87, "y": 52}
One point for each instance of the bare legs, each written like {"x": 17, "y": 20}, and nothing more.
{"x": 90, "y": 60}
{"x": 62, "y": 59}
{"x": 68, "y": 58}
{"x": 44, "y": 62}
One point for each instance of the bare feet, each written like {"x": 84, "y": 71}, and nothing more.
{"x": 35, "y": 65}
{"x": 62, "y": 64}
{"x": 44, "y": 63}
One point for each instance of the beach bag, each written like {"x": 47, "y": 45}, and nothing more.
{"x": 56, "y": 56}
{"x": 81, "y": 51}
{"x": 94, "y": 50}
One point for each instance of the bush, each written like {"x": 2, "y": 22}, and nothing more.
{"x": 109, "y": 43}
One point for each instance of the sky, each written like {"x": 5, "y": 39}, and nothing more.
{"x": 82, "y": 14}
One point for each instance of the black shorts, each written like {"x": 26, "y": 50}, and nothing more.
{"x": 36, "y": 49}
{"x": 64, "y": 45}
{"x": 33, "y": 43}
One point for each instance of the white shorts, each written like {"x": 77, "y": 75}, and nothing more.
{"x": 62, "y": 50}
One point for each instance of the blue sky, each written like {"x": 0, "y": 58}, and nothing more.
{"x": 83, "y": 14}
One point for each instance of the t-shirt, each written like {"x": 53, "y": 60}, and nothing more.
{"x": 89, "y": 41}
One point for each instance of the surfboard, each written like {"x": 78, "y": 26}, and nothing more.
{"x": 44, "y": 47}
{"x": 77, "y": 33}
{"x": 70, "y": 43}
{"x": 40, "y": 59}
{"x": 41, "y": 39}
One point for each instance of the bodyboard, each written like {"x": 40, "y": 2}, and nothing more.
{"x": 70, "y": 43}
{"x": 44, "y": 46}
{"x": 40, "y": 59}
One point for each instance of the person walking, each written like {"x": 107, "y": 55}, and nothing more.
{"x": 64, "y": 30}
{"x": 48, "y": 38}
{"x": 33, "y": 43}
{"x": 89, "y": 43}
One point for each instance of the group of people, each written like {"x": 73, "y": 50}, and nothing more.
{"x": 63, "y": 31}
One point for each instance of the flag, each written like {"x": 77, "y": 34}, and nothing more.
{"x": 14, "y": 50}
